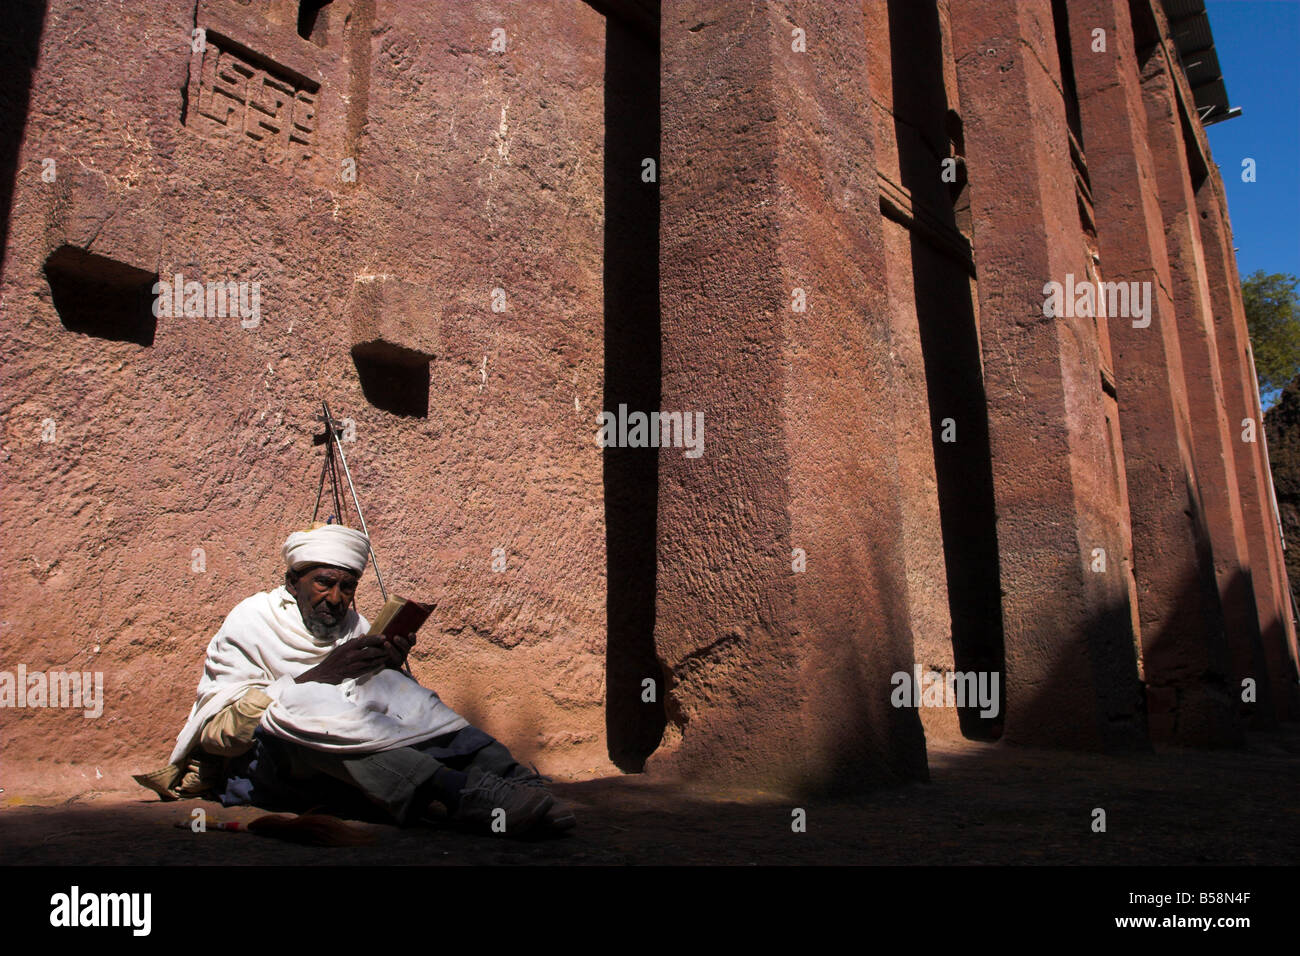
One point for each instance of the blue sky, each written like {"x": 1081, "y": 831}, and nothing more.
{"x": 1258, "y": 43}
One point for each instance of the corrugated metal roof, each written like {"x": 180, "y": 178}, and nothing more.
{"x": 1190, "y": 26}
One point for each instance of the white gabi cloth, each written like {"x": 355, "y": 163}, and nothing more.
{"x": 263, "y": 643}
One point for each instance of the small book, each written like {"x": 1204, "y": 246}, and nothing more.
{"x": 400, "y": 616}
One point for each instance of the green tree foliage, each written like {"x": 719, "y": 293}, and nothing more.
{"x": 1273, "y": 317}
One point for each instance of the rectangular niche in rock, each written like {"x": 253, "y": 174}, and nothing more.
{"x": 393, "y": 379}
{"x": 394, "y": 330}
{"x": 102, "y": 297}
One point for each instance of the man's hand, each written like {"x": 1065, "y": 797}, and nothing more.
{"x": 354, "y": 658}
{"x": 398, "y": 647}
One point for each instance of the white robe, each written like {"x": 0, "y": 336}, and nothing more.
{"x": 264, "y": 643}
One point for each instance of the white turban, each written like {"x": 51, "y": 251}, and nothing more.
{"x": 334, "y": 544}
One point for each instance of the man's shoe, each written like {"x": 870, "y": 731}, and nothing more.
{"x": 486, "y": 794}
{"x": 560, "y": 816}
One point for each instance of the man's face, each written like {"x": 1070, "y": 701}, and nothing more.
{"x": 324, "y": 594}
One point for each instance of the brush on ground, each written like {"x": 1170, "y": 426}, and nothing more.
{"x": 310, "y": 829}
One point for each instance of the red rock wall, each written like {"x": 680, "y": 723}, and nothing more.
{"x": 949, "y": 521}
{"x": 475, "y": 170}
{"x": 455, "y": 247}
{"x": 927, "y": 586}
{"x": 1186, "y": 177}
{"x": 1071, "y": 675}
{"x": 778, "y": 675}
{"x": 1178, "y": 598}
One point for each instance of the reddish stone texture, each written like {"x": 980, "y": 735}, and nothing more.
{"x": 1177, "y": 183}
{"x": 475, "y": 170}
{"x": 777, "y": 675}
{"x": 459, "y": 244}
{"x": 949, "y": 528}
{"x": 1069, "y": 643}
{"x": 928, "y": 599}
{"x": 1268, "y": 575}
{"x": 1178, "y": 598}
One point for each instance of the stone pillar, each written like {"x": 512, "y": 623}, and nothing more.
{"x": 1178, "y": 161}
{"x": 1178, "y": 599}
{"x": 948, "y": 521}
{"x": 1070, "y": 649}
{"x": 777, "y": 676}
{"x": 1241, "y": 400}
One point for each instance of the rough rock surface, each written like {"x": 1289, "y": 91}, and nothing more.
{"x": 471, "y": 227}
{"x": 150, "y": 476}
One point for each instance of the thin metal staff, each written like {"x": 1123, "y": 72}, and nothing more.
{"x": 328, "y": 468}
{"x": 332, "y": 436}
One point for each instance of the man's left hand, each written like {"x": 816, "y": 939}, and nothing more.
{"x": 398, "y": 647}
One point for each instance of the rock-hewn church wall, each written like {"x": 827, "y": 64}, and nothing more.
{"x": 422, "y": 214}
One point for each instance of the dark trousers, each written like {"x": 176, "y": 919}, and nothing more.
{"x": 281, "y": 775}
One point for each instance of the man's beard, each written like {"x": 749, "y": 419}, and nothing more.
{"x": 321, "y": 630}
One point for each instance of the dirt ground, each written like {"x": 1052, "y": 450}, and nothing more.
{"x": 984, "y": 804}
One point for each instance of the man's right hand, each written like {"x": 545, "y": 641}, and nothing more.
{"x": 354, "y": 658}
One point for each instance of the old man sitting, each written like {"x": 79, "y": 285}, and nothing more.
{"x": 298, "y": 708}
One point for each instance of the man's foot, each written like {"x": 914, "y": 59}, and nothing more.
{"x": 560, "y": 816}
{"x": 500, "y": 805}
